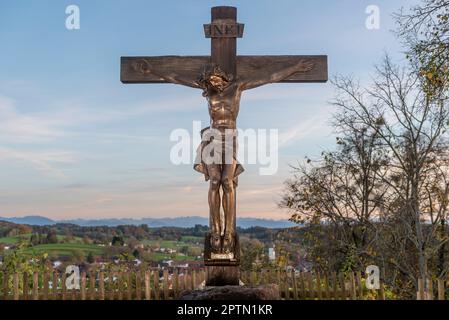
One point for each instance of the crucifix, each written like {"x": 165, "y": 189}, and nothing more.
{"x": 222, "y": 77}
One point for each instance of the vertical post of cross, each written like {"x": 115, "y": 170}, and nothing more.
{"x": 224, "y": 49}
{"x": 224, "y": 31}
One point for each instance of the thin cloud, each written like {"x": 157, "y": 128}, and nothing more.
{"x": 303, "y": 130}
{"x": 44, "y": 160}
{"x": 23, "y": 128}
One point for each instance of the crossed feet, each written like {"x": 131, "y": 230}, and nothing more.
{"x": 225, "y": 245}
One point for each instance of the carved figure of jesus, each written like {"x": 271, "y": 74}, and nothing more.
{"x": 223, "y": 92}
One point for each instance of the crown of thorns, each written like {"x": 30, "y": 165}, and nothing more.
{"x": 213, "y": 70}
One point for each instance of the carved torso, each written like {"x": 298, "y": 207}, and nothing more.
{"x": 224, "y": 107}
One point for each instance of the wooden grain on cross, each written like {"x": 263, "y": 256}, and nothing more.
{"x": 190, "y": 67}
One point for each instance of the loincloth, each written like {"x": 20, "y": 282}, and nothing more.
{"x": 213, "y": 151}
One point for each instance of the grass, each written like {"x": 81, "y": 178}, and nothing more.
{"x": 8, "y": 240}
{"x": 192, "y": 239}
{"x": 65, "y": 249}
{"x": 27, "y": 236}
{"x": 173, "y": 244}
{"x": 168, "y": 244}
{"x": 15, "y": 239}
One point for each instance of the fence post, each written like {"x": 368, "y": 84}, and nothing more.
{"x": 111, "y": 286}
{"x": 147, "y": 285}
{"x": 55, "y": 285}
{"x": 421, "y": 289}
{"x": 45, "y": 285}
{"x": 165, "y": 285}
{"x": 26, "y": 286}
{"x": 16, "y": 286}
{"x": 342, "y": 286}
{"x": 129, "y": 286}
{"x": 287, "y": 286}
{"x": 335, "y": 285}
{"x": 120, "y": 285}
{"x": 101, "y": 285}
{"x": 138, "y": 286}
{"x": 279, "y": 282}
{"x": 441, "y": 295}
{"x": 430, "y": 289}
{"x": 295, "y": 286}
{"x": 83, "y": 285}
{"x": 63, "y": 286}
{"x": 302, "y": 286}
{"x": 359, "y": 284}
{"x": 5, "y": 286}
{"x": 176, "y": 284}
{"x": 156, "y": 285}
{"x": 326, "y": 287}
{"x": 35, "y": 286}
{"x": 186, "y": 279}
{"x": 310, "y": 285}
{"x": 381, "y": 291}
{"x": 92, "y": 278}
{"x": 352, "y": 286}
{"x": 318, "y": 285}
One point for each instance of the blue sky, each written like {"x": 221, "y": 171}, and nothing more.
{"x": 76, "y": 142}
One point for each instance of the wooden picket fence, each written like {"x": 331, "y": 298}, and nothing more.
{"x": 333, "y": 286}
{"x": 316, "y": 286}
{"x": 432, "y": 290}
{"x": 155, "y": 284}
{"x": 137, "y": 285}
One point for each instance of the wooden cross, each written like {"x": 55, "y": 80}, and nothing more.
{"x": 223, "y": 31}
{"x": 232, "y": 74}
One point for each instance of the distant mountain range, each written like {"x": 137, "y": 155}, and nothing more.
{"x": 182, "y": 222}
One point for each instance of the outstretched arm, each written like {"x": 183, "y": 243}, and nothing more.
{"x": 274, "y": 73}
{"x": 146, "y": 68}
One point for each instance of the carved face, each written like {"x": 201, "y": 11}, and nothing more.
{"x": 213, "y": 78}
{"x": 218, "y": 82}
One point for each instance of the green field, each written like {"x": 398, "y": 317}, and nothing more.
{"x": 68, "y": 249}
{"x": 172, "y": 244}
{"x": 192, "y": 239}
{"x": 65, "y": 249}
{"x": 26, "y": 237}
{"x": 169, "y": 244}
{"x": 9, "y": 240}
{"x": 159, "y": 256}
{"x": 15, "y": 239}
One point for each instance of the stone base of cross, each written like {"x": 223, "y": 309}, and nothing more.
{"x": 222, "y": 268}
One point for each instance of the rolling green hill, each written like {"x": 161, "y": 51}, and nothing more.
{"x": 15, "y": 239}
{"x": 26, "y": 237}
{"x": 65, "y": 249}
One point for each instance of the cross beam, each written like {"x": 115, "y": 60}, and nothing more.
{"x": 223, "y": 32}
{"x": 190, "y": 67}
